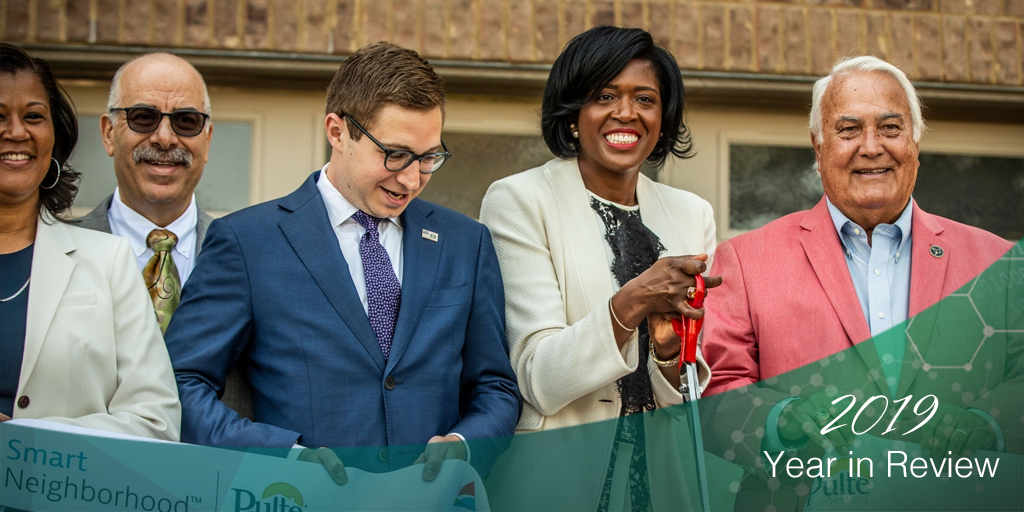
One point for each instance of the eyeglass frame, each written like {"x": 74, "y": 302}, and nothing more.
{"x": 415, "y": 158}
{"x": 206, "y": 117}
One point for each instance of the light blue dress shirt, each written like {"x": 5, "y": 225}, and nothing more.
{"x": 881, "y": 276}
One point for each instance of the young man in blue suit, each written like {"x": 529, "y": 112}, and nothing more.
{"x": 363, "y": 317}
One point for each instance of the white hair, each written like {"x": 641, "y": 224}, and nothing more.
{"x": 115, "y": 91}
{"x": 865, "y": 64}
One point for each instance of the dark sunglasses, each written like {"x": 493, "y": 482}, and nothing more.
{"x": 397, "y": 159}
{"x": 186, "y": 123}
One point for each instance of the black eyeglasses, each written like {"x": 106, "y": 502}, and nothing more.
{"x": 398, "y": 159}
{"x": 186, "y": 123}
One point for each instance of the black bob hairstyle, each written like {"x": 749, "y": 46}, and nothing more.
{"x": 58, "y": 199}
{"x": 589, "y": 62}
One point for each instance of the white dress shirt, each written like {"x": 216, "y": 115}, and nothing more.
{"x": 348, "y": 231}
{"x": 132, "y": 225}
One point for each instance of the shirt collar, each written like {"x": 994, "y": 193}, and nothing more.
{"x": 903, "y": 223}
{"x": 136, "y": 228}
{"x": 339, "y": 209}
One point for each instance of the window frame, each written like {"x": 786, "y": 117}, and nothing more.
{"x": 983, "y": 147}
{"x": 725, "y": 140}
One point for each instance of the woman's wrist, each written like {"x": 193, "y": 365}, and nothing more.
{"x": 615, "y": 318}
{"x": 666, "y": 353}
{"x": 627, "y": 309}
{"x": 664, "y": 361}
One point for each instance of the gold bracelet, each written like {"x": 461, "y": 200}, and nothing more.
{"x": 612, "y": 310}
{"x": 663, "y": 364}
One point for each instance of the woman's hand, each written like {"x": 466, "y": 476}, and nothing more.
{"x": 666, "y": 344}
{"x": 4, "y": 417}
{"x": 662, "y": 289}
{"x": 666, "y": 341}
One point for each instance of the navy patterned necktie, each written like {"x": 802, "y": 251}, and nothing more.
{"x": 383, "y": 293}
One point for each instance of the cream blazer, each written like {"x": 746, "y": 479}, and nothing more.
{"x": 94, "y": 356}
{"x": 551, "y": 249}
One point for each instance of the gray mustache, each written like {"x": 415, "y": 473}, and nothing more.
{"x": 175, "y": 156}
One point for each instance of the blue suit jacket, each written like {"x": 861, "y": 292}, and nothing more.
{"x": 272, "y": 291}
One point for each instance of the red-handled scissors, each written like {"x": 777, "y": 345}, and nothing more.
{"x": 688, "y": 328}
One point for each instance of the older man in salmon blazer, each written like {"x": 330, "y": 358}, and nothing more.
{"x": 814, "y": 283}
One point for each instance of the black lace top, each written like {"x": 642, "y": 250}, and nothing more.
{"x": 634, "y": 249}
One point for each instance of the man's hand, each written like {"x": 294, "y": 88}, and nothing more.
{"x": 4, "y": 417}
{"x": 804, "y": 417}
{"x": 438, "y": 449}
{"x": 956, "y": 430}
{"x": 330, "y": 461}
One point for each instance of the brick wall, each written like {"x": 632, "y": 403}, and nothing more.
{"x": 974, "y": 41}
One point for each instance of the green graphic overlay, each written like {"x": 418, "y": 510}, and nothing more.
{"x": 940, "y": 429}
{"x": 962, "y": 366}
{"x": 53, "y": 471}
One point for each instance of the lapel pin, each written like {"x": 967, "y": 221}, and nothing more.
{"x": 936, "y": 251}
{"x": 430, "y": 235}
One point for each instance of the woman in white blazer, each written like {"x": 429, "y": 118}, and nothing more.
{"x": 79, "y": 343}
{"x": 591, "y": 258}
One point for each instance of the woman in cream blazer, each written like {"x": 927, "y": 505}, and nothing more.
{"x": 91, "y": 353}
{"x": 94, "y": 356}
{"x": 557, "y": 285}
{"x": 562, "y": 348}
{"x": 564, "y": 344}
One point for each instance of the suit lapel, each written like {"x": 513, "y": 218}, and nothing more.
{"x": 202, "y": 223}
{"x": 927, "y": 275}
{"x": 652, "y": 211}
{"x": 51, "y": 272}
{"x": 97, "y": 220}
{"x": 584, "y": 248}
{"x": 824, "y": 251}
{"x": 309, "y": 231}
{"x": 420, "y": 259}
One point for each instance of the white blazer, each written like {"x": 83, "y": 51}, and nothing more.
{"x": 557, "y": 281}
{"x": 94, "y": 356}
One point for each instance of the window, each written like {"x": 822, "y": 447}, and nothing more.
{"x": 987, "y": 192}
{"x": 477, "y": 161}
{"x": 769, "y": 181}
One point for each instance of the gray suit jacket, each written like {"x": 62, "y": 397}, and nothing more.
{"x": 237, "y": 393}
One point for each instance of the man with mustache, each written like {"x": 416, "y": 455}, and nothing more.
{"x": 158, "y": 131}
{"x": 157, "y": 165}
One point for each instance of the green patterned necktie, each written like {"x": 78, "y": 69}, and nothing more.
{"x": 161, "y": 276}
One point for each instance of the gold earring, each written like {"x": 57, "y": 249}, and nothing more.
{"x": 575, "y": 132}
